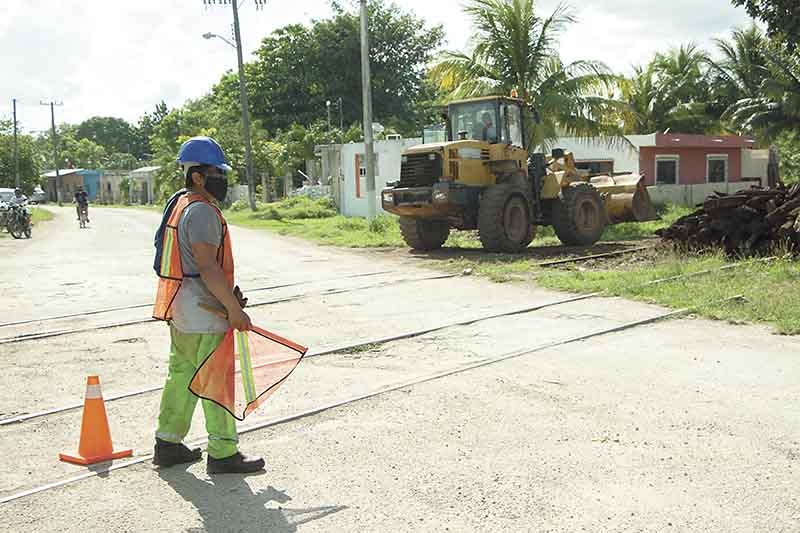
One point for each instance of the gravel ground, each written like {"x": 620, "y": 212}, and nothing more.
{"x": 680, "y": 426}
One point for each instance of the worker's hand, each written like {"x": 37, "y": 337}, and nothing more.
{"x": 239, "y": 320}
{"x": 239, "y": 296}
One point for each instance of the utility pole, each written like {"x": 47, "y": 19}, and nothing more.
{"x": 17, "y": 181}
{"x": 341, "y": 116}
{"x": 328, "y": 105}
{"x": 248, "y": 146}
{"x": 366, "y": 90}
{"x": 59, "y": 184}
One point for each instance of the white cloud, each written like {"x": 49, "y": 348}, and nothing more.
{"x": 121, "y": 58}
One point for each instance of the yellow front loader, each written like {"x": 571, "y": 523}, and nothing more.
{"x": 478, "y": 175}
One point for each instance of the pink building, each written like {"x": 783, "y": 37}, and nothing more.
{"x": 678, "y": 159}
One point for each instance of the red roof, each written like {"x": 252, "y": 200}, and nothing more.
{"x": 703, "y": 141}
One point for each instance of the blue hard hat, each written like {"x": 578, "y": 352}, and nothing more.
{"x": 203, "y": 151}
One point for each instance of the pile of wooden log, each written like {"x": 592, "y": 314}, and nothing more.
{"x": 750, "y": 222}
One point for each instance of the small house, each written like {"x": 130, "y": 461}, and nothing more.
{"x": 71, "y": 179}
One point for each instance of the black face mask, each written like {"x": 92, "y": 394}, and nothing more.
{"x": 217, "y": 186}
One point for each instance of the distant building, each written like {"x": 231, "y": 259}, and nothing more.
{"x": 71, "y": 178}
{"x": 111, "y": 186}
{"x": 142, "y": 185}
{"x": 678, "y": 168}
{"x": 344, "y": 165}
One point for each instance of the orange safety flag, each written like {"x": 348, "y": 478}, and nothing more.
{"x": 246, "y": 369}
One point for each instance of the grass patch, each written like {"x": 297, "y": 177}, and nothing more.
{"x": 631, "y": 231}
{"x": 39, "y": 214}
{"x": 771, "y": 289}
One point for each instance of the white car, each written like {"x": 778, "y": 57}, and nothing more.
{"x": 38, "y": 196}
{"x": 6, "y": 195}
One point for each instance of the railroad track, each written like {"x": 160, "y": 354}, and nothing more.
{"x": 102, "y": 470}
{"x": 26, "y": 337}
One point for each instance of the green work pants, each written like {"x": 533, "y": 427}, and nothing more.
{"x": 187, "y": 353}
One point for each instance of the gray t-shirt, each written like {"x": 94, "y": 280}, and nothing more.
{"x": 199, "y": 223}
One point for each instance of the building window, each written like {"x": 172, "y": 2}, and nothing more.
{"x": 716, "y": 168}
{"x": 667, "y": 169}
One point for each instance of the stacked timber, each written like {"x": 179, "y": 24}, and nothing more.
{"x": 750, "y": 222}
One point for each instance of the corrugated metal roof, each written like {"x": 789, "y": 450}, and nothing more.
{"x": 63, "y": 172}
{"x": 145, "y": 169}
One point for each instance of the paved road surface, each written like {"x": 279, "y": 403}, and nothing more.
{"x": 685, "y": 425}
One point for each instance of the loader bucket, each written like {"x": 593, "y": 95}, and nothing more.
{"x": 626, "y": 198}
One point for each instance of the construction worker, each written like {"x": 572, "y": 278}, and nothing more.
{"x": 195, "y": 266}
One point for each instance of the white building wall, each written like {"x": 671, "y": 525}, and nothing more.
{"x": 624, "y": 154}
{"x": 354, "y": 198}
{"x": 754, "y": 164}
{"x": 693, "y": 195}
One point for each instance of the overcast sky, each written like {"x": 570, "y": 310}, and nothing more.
{"x": 121, "y": 57}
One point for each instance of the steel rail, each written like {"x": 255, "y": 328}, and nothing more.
{"x": 141, "y": 306}
{"x": 103, "y": 470}
{"x": 327, "y": 351}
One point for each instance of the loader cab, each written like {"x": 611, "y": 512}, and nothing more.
{"x": 492, "y": 119}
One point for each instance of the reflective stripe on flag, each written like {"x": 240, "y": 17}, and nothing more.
{"x": 246, "y": 368}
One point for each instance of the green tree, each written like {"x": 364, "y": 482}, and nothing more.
{"x": 781, "y": 16}
{"x": 298, "y": 68}
{"x": 642, "y": 96}
{"x": 674, "y": 91}
{"x": 742, "y": 66}
{"x": 29, "y": 169}
{"x": 788, "y": 145}
{"x": 512, "y": 47}
{"x": 776, "y": 106}
{"x": 72, "y": 152}
{"x": 113, "y": 134}
{"x": 685, "y": 90}
{"x": 145, "y": 129}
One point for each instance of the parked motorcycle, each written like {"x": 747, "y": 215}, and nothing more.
{"x": 5, "y": 210}
{"x": 18, "y": 221}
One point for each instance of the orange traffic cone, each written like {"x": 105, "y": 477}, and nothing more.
{"x": 95, "y": 444}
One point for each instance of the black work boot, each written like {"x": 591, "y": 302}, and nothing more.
{"x": 170, "y": 453}
{"x": 235, "y": 464}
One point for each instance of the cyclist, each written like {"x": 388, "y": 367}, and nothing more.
{"x": 82, "y": 202}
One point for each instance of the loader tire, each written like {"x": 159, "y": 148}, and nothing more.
{"x": 424, "y": 235}
{"x": 504, "y": 219}
{"x": 579, "y": 216}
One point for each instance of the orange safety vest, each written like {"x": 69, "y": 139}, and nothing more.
{"x": 171, "y": 273}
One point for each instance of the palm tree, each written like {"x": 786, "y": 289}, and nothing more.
{"x": 682, "y": 75}
{"x": 513, "y": 48}
{"x": 775, "y": 106}
{"x": 741, "y": 69}
{"x": 671, "y": 92}
{"x": 641, "y": 94}
{"x": 685, "y": 90}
